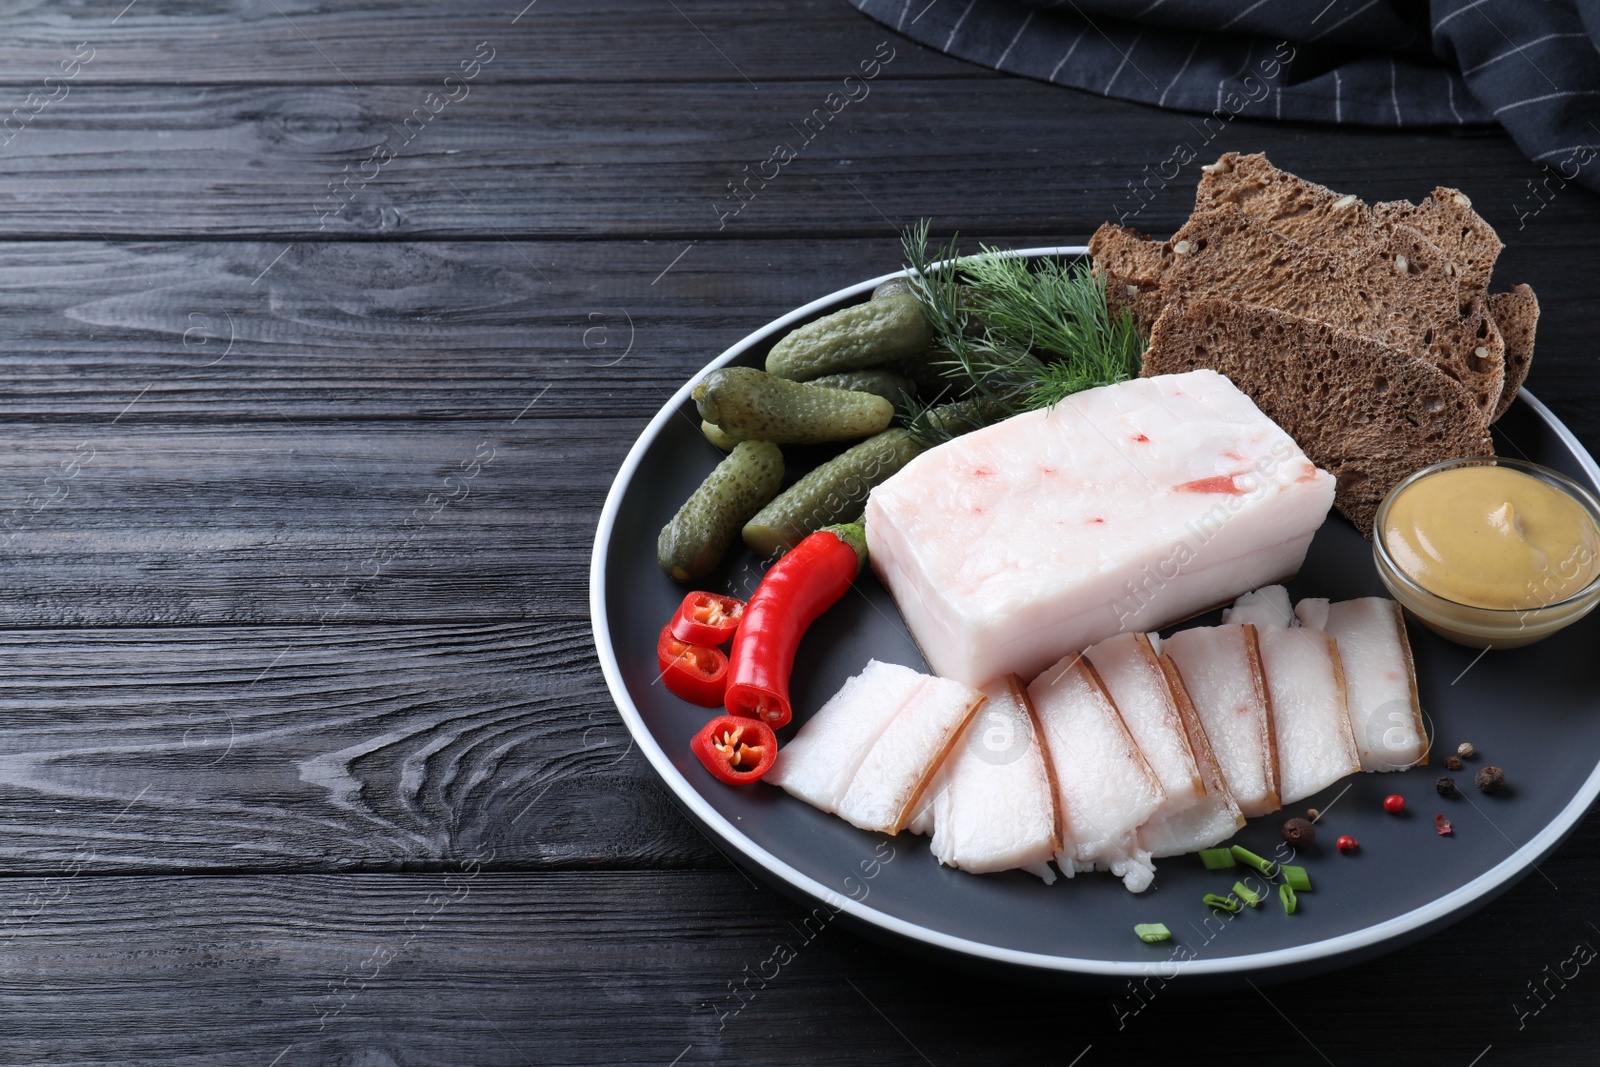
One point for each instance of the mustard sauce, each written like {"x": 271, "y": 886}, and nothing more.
{"x": 1492, "y": 537}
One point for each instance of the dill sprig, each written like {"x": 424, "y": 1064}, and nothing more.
{"x": 1019, "y": 334}
{"x": 1057, "y": 312}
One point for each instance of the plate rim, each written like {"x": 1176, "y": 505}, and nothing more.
{"x": 1417, "y": 920}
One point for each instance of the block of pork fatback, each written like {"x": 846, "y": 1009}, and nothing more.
{"x": 1122, "y": 508}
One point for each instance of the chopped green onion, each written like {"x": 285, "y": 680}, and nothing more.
{"x": 1152, "y": 932}
{"x": 1226, "y": 903}
{"x": 1286, "y": 894}
{"x": 1217, "y": 859}
{"x": 1246, "y": 894}
{"x": 1250, "y": 859}
{"x": 1297, "y": 878}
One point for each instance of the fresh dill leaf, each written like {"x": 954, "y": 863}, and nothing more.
{"x": 973, "y": 361}
{"x": 937, "y": 287}
{"x": 936, "y": 283}
{"x": 1021, "y": 333}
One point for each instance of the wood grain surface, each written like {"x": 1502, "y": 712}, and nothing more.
{"x": 576, "y": 158}
{"x": 305, "y": 756}
{"x": 468, "y": 965}
{"x": 295, "y": 42}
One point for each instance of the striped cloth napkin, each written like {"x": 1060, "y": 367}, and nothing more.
{"x": 1532, "y": 67}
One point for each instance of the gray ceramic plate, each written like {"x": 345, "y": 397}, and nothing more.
{"x": 1532, "y": 711}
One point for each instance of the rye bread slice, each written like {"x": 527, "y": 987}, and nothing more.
{"x": 1130, "y": 254}
{"x": 1446, "y": 218}
{"x": 1132, "y": 264}
{"x": 1393, "y": 290}
{"x": 1303, "y": 210}
{"x": 1316, "y": 215}
{"x": 1516, "y": 313}
{"x": 1362, "y": 410}
{"x": 1142, "y": 299}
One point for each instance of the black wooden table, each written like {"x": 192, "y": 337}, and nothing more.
{"x": 324, "y": 332}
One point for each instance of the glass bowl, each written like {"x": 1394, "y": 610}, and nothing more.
{"x": 1467, "y": 624}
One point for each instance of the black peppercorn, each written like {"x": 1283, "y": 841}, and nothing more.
{"x": 1445, "y": 785}
{"x": 1452, "y": 764}
{"x": 1490, "y": 779}
{"x": 1299, "y": 832}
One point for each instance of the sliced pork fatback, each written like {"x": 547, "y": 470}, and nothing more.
{"x": 1215, "y": 817}
{"x": 1380, "y": 680}
{"x": 1104, "y": 788}
{"x": 1220, "y": 667}
{"x": 896, "y": 769}
{"x": 1128, "y": 669}
{"x": 1120, "y": 509}
{"x": 1310, "y": 722}
{"x": 1264, "y": 608}
{"x": 992, "y": 805}
{"x": 819, "y": 763}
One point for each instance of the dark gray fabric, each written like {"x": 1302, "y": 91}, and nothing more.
{"x": 1530, "y": 65}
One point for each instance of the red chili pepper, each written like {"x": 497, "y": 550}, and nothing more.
{"x": 735, "y": 749}
{"x": 707, "y": 618}
{"x": 798, "y": 588}
{"x": 694, "y": 672}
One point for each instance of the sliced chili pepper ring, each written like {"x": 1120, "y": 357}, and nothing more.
{"x": 735, "y": 749}
{"x": 696, "y": 673}
{"x": 707, "y": 618}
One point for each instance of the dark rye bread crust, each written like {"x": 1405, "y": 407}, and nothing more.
{"x": 1392, "y": 290}
{"x": 1303, "y": 210}
{"x": 1130, "y": 254}
{"x": 1136, "y": 266}
{"x": 1517, "y": 314}
{"x": 1359, "y": 288}
{"x": 1446, "y": 218}
{"x": 1131, "y": 264}
{"x": 1365, "y": 412}
{"x": 1144, "y": 302}
{"x": 1316, "y": 215}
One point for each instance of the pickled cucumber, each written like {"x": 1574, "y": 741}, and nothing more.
{"x": 751, "y": 405}
{"x": 699, "y": 534}
{"x": 834, "y": 492}
{"x": 886, "y": 383}
{"x": 962, "y": 416}
{"x": 892, "y": 287}
{"x": 715, "y": 435}
{"x": 863, "y": 335}
{"x": 927, "y": 373}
